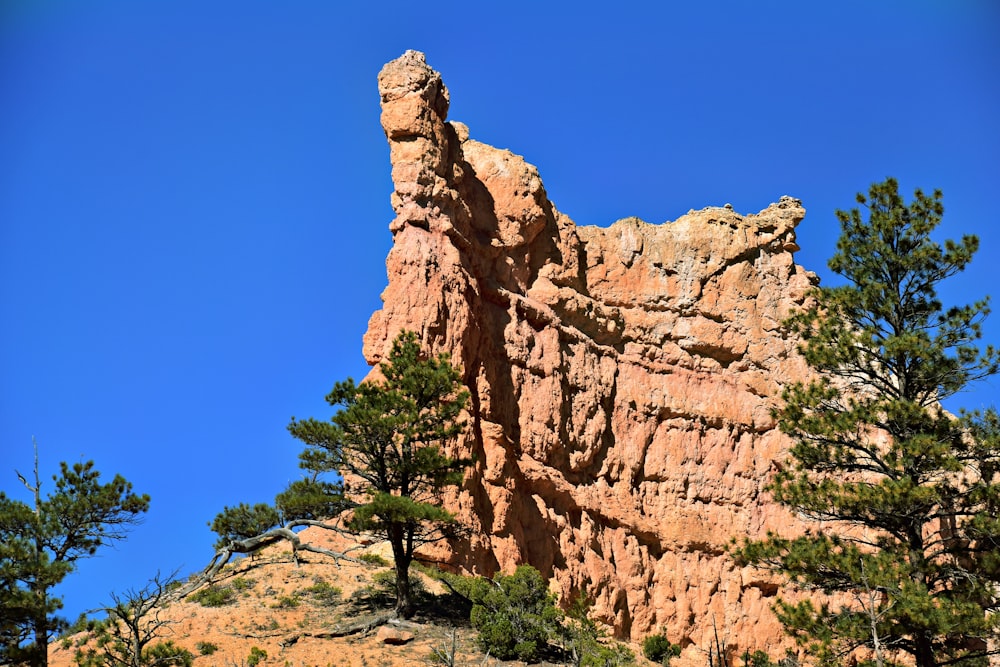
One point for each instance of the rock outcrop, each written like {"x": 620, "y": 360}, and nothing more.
{"x": 622, "y": 378}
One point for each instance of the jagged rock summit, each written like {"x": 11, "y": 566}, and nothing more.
{"x": 622, "y": 378}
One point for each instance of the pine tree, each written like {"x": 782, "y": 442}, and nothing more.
{"x": 40, "y": 544}
{"x": 906, "y": 492}
{"x": 387, "y": 441}
{"x": 243, "y": 521}
{"x": 310, "y": 499}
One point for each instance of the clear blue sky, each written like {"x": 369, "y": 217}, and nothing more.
{"x": 194, "y": 196}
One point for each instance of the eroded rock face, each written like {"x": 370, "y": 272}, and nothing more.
{"x": 622, "y": 378}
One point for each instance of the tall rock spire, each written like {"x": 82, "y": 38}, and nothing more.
{"x": 622, "y": 378}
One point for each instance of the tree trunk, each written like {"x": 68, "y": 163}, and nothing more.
{"x": 39, "y": 656}
{"x": 404, "y": 601}
{"x": 924, "y": 653}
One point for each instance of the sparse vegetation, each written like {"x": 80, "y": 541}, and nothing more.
{"x": 241, "y": 584}
{"x": 582, "y": 639}
{"x": 214, "y": 596}
{"x": 324, "y": 593}
{"x": 445, "y": 654}
{"x": 373, "y": 559}
{"x": 82, "y": 623}
{"x": 288, "y": 601}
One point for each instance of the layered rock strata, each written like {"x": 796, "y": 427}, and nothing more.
{"x": 621, "y": 378}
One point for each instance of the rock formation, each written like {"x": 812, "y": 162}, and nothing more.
{"x": 621, "y": 378}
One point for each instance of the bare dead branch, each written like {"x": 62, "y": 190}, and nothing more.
{"x": 252, "y": 545}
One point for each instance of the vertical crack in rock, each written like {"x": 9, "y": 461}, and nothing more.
{"x": 622, "y": 378}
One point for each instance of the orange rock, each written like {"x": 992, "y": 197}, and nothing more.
{"x": 622, "y": 378}
{"x": 393, "y": 636}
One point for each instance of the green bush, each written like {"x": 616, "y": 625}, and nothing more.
{"x": 659, "y": 649}
{"x": 81, "y": 624}
{"x": 206, "y": 648}
{"x": 257, "y": 655}
{"x": 167, "y": 653}
{"x": 241, "y": 584}
{"x": 613, "y": 655}
{"x": 373, "y": 559}
{"x": 324, "y": 593}
{"x": 762, "y": 659}
{"x": 287, "y": 602}
{"x": 515, "y": 615}
{"x": 214, "y": 596}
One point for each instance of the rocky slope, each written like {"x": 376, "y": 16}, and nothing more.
{"x": 622, "y": 378}
{"x": 288, "y": 611}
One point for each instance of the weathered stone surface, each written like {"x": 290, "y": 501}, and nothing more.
{"x": 622, "y": 378}
{"x": 394, "y": 636}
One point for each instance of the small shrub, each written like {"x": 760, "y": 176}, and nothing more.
{"x": 206, "y": 648}
{"x": 515, "y": 615}
{"x": 614, "y": 655}
{"x": 257, "y": 655}
{"x": 287, "y": 602}
{"x": 167, "y": 653}
{"x": 241, "y": 584}
{"x": 582, "y": 637}
{"x": 762, "y": 659}
{"x": 214, "y": 596}
{"x": 659, "y": 649}
{"x": 324, "y": 593}
{"x": 373, "y": 559}
{"x": 81, "y": 624}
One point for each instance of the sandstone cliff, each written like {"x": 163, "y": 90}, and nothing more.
{"x": 621, "y": 377}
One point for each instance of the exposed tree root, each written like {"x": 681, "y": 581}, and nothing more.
{"x": 362, "y": 626}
